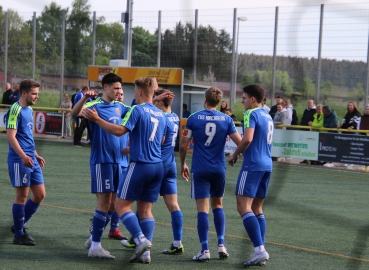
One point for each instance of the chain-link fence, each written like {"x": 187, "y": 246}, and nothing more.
{"x": 305, "y": 51}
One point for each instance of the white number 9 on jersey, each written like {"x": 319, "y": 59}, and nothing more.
{"x": 210, "y": 130}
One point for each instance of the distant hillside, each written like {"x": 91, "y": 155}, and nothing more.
{"x": 344, "y": 73}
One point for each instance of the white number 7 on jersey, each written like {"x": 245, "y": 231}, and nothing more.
{"x": 210, "y": 130}
{"x": 156, "y": 123}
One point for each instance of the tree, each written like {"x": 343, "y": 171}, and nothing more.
{"x": 144, "y": 47}
{"x": 78, "y": 42}
{"x": 307, "y": 88}
{"x": 109, "y": 41}
{"x": 326, "y": 88}
{"x": 48, "y": 39}
{"x": 247, "y": 80}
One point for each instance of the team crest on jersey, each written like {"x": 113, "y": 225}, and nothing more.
{"x": 117, "y": 110}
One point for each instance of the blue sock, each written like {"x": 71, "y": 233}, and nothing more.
{"x": 148, "y": 226}
{"x": 219, "y": 222}
{"x": 263, "y": 225}
{"x": 98, "y": 223}
{"x": 130, "y": 221}
{"x": 138, "y": 215}
{"x": 18, "y": 219}
{"x": 114, "y": 224}
{"x": 29, "y": 209}
{"x": 203, "y": 229}
{"x": 252, "y": 227}
{"x": 177, "y": 224}
{"x": 108, "y": 218}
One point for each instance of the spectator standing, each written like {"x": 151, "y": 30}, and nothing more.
{"x": 309, "y": 113}
{"x": 289, "y": 110}
{"x": 273, "y": 109}
{"x": 330, "y": 117}
{"x": 81, "y": 122}
{"x": 330, "y": 121}
{"x": 308, "y": 116}
{"x": 318, "y": 118}
{"x": 280, "y": 115}
{"x": 14, "y": 97}
{"x": 265, "y": 107}
{"x": 74, "y": 118}
{"x": 8, "y": 92}
{"x": 231, "y": 115}
{"x": 185, "y": 113}
{"x": 351, "y": 118}
{"x": 224, "y": 106}
{"x": 66, "y": 104}
{"x": 364, "y": 119}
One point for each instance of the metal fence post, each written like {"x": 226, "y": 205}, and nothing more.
{"x": 367, "y": 77}
{"x": 159, "y": 39}
{"x": 274, "y": 55}
{"x": 195, "y": 46}
{"x": 6, "y": 25}
{"x": 233, "y": 75}
{"x": 128, "y": 34}
{"x": 93, "y": 38}
{"x": 34, "y": 47}
{"x": 319, "y": 54}
{"x": 62, "y": 57}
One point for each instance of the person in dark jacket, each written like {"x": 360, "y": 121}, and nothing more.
{"x": 8, "y": 92}
{"x": 14, "y": 97}
{"x": 273, "y": 109}
{"x": 330, "y": 117}
{"x": 364, "y": 120}
{"x": 351, "y": 118}
{"x": 309, "y": 112}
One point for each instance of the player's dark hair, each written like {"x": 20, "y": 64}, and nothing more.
{"x": 326, "y": 108}
{"x": 213, "y": 96}
{"x": 84, "y": 88}
{"x": 111, "y": 78}
{"x": 146, "y": 85}
{"x": 256, "y": 91}
{"x": 27, "y": 85}
{"x": 184, "y": 106}
{"x": 166, "y": 101}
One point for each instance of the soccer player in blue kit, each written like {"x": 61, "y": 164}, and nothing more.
{"x": 253, "y": 180}
{"x": 209, "y": 129}
{"x": 168, "y": 187}
{"x": 105, "y": 158}
{"x": 147, "y": 125}
{"x": 24, "y": 164}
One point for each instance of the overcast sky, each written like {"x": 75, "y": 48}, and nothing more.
{"x": 142, "y": 5}
{"x": 345, "y": 31}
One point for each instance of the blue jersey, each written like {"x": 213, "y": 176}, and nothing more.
{"x": 209, "y": 131}
{"x": 257, "y": 156}
{"x": 78, "y": 97}
{"x": 21, "y": 119}
{"x": 148, "y": 127}
{"x": 167, "y": 148}
{"x": 106, "y": 146}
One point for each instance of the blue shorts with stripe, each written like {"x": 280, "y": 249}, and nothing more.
{"x": 253, "y": 184}
{"x": 205, "y": 185}
{"x": 142, "y": 182}
{"x": 22, "y": 176}
{"x": 105, "y": 177}
{"x": 169, "y": 183}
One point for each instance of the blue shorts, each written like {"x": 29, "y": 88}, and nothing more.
{"x": 205, "y": 185}
{"x": 142, "y": 182}
{"x": 124, "y": 171}
{"x": 105, "y": 177}
{"x": 169, "y": 182}
{"x": 253, "y": 184}
{"x": 22, "y": 176}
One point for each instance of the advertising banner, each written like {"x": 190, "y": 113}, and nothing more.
{"x": 344, "y": 148}
{"x": 169, "y": 76}
{"x": 2, "y": 120}
{"x": 182, "y": 128}
{"x": 49, "y": 123}
{"x": 295, "y": 144}
{"x": 230, "y": 146}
